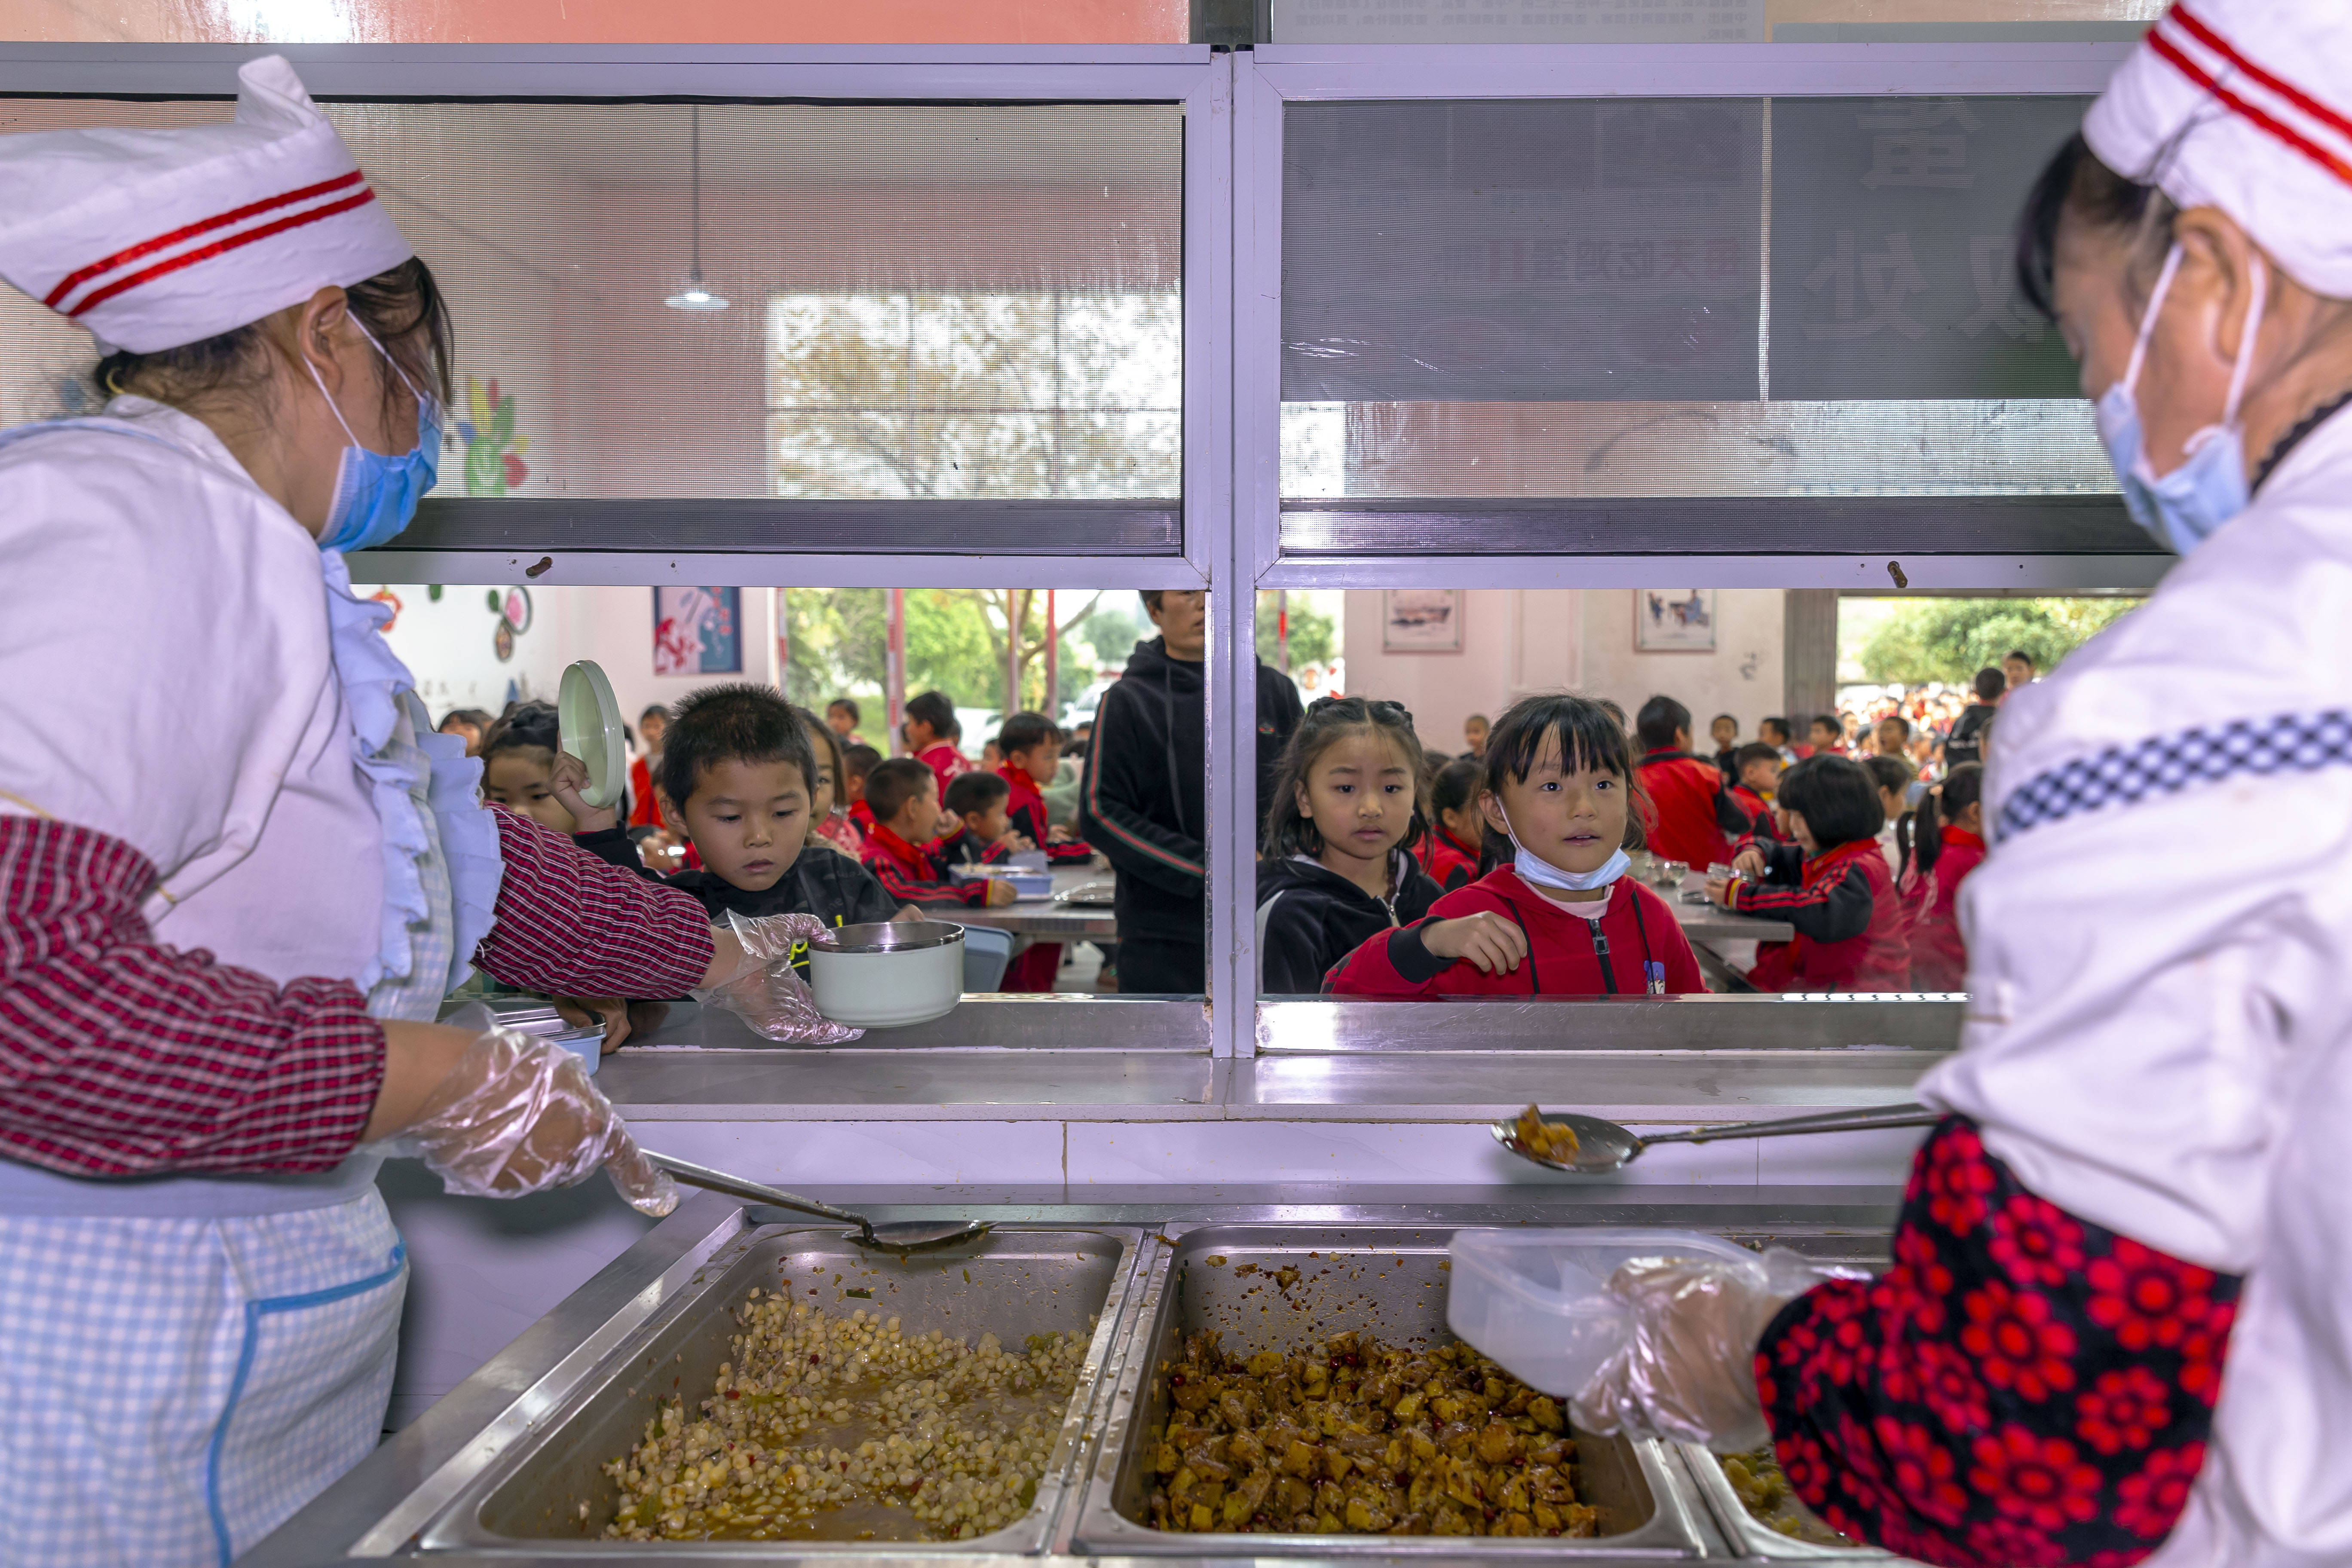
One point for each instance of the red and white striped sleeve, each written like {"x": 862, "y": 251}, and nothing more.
{"x": 120, "y": 1056}
{"x": 568, "y": 924}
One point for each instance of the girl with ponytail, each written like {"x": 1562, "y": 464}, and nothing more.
{"x": 1951, "y": 844}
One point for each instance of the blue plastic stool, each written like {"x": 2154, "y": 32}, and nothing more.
{"x": 986, "y": 951}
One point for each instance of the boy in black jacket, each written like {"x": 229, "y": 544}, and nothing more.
{"x": 737, "y": 773}
{"x": 1143, "y": 800}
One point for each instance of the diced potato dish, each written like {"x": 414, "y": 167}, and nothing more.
{"x": 1355, "y": 1438}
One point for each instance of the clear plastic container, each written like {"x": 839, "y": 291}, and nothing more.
{"x": 1537, "y": 1301}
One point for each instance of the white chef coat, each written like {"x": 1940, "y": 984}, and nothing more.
{"x": 2159, "y": 1030}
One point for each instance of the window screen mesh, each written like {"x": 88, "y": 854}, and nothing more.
{"x": 1616, "y": 298}
{"x": 1038, "y": 248}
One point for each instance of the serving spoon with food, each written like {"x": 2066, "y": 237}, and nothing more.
{"x": 1593, "y": 1145}
{"x": 900, "y": 1236}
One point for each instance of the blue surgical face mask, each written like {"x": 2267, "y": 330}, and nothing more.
{"x": 2184, "y": 507}
{"x": 376, "y": 495}
{"x": 1542, "y": 873}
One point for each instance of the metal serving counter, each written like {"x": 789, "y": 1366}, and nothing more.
{"x": 1036, "y": 1102}
{"x": 504, "y": 1469}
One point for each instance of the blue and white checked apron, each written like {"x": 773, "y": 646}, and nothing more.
{"x": 185, "y": 1362}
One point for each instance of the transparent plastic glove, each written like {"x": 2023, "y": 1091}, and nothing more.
{"x": 518, "y": 1114}
{"x": 765, "y": 992}
{"x": 1686, "y": 1370}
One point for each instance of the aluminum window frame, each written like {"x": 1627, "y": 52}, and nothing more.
{"x": 1278, "y": 75}
{"x": 1193, "y": 76}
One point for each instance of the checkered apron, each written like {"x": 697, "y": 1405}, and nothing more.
{"x": 171, "y": 1389}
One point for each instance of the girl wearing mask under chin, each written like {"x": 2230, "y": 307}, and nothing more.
{"x": 1563, "y": 919}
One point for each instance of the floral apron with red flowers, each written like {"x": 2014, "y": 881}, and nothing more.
{"x": 2023, "y": 1389}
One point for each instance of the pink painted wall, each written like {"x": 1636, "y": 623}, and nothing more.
{"x": 597, "y": 21}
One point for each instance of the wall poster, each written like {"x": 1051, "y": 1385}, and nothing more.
{"x": 1671, "y": 620}
{"x": 698, "y": 631}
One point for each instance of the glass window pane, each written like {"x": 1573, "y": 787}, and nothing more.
{"x": 1704, "y": 21}
{"x": 987, "y": 299}
{"x": 1566, "y": 299}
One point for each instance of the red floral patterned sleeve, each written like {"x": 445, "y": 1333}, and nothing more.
{"x": 121, "y": 1057}
{"x": 2022, "y": 1388}
{"x": 570, "y": 925}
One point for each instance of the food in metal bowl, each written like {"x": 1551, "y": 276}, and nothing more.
{"x": 1763, "y": 1490}
{"x": 1356, "y": 1437}
{"x": 1545, "y": 1140}
{"x": 847, "y": 1428}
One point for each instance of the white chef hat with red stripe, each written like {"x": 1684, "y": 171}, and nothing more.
{"x": 156, "y": 238}
{"x": 2245, "y": 105}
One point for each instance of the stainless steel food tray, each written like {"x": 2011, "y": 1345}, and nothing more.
{"x": 1749, "y": 1536}
{"x": 545, "y": 1489}
{"x": 1385, "y": 1279}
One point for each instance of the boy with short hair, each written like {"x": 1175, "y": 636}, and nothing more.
{"x": 1758, "y": 768}
{"x": 905, "y": 799}
{"x": 1032, "y": 744}
{"x": 1776, "y": 733}
{"x": 737, "y": 776}
{"x": 977, "y": 801}
{"x": 857, "y": 763}
{"x": 841, "y": 716}
{"x": 930, "y": 732}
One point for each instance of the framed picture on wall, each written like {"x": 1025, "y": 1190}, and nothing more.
{"x": 698, "y": 631}
{"x": 1673, "y": 620}
{"x": 1420, "y": 620}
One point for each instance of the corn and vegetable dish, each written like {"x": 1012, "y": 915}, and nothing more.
{"x": 1764, "y": 1492}
{"x": 846, "y": 1429}
{"x": 1357, "y": 1437}
{"x": 1546, "y": 1139}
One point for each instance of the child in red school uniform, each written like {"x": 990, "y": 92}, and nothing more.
{"x": 859, "y": 764}
{"x": 900, "y": 851}
{"x": 1030, "y": 744}
{"x": 1756, "y": 767}
{"x": 1685, "y": 817}
{"x": 1450, "y": 850}
{"x": 829, "y": 823}
{"x": 1830, "y": 882}
{"x": 1336, "y": 866}
{"x": 1951, "y": 845}
{"x": 1563, "y": 919}
{"x": 930, "y": 731}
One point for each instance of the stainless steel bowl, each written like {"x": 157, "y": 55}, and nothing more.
{"x": 889, "y": 936}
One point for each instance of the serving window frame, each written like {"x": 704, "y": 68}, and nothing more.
{"x": 1231, "y": 514}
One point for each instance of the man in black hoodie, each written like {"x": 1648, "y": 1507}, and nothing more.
{"x": 1143, "y": 803}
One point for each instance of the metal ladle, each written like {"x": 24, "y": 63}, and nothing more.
{"x": 901, "y": 1236}
{"x": 1602, "y": 1146}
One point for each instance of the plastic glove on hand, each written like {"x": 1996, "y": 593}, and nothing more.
{"x": 764, "y": 991}
{"x": 1687, "y": 1370}
{"x": 518, "y": 1114}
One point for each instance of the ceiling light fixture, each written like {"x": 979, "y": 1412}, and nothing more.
{"x": 695, "y": 296}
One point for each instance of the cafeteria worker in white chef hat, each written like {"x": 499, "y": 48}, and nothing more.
{"x": 2119, "y": 1322}
{"x": 237, "y": 868}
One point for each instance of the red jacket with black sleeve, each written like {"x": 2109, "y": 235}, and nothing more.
{"x": 1685, "y": 816}
{"x": 1850, "y": 924}
{"x": 1446, "y": 860}
{"x": 1027, "y": 811}
{"x": 1762, "y": 823}
{"x": 917, "y": 875}
{"x": 1939, "y": 955}
{"x": 1565, "y": 952}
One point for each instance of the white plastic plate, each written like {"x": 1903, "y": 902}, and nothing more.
{"x": 589, "y": 719}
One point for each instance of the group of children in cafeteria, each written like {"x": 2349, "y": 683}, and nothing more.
{"x": 777, "y": 819}
{"x": 1505, "y": 874}
{"x": 1501, "y": 874}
